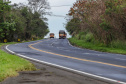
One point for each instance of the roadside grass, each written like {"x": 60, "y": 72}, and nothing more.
{"x": 97, "y": 46}
{"x": 10, "y": 65}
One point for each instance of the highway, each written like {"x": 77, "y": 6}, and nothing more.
{"x": 60, "y": 52}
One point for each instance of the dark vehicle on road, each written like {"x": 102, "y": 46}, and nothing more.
{"x": 52, "y": 35}
{"x": 62, "y": 34}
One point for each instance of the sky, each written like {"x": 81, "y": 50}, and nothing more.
{"x": 55, "y": 23}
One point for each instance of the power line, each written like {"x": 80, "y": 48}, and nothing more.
{"x": 58, "y": 15}
{"x": 61, "y": 6}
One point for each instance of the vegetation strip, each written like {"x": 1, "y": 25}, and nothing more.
{"x": 10, "y": 65}
{"x": 96, "y": 46}
{"x": 98, "y": 25}
{"x": 20, "y": 22}
{"x": 31, "y": 46}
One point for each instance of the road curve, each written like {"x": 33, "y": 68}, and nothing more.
{"x": 60, "y": 52}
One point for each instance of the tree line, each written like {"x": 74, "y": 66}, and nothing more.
{"x": 23, "y": 21}
{"x": 101, "y": 20}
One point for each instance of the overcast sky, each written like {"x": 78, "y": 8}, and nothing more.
{"x": 55, "y": 23}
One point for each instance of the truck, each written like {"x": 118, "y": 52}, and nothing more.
{"x": 62, "y": 34}
{"x": 52, "y": 35}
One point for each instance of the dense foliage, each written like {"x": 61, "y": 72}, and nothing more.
{"x": 102, "y": 20}
{"x": 18, "y": 21}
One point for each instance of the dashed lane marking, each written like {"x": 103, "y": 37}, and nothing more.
{"x": 31, "y": 46}
{"x": 66, "y": 68}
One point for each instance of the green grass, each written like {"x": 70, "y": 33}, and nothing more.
{"x": 97, "y": 46}
{"x": 10, "y": 65}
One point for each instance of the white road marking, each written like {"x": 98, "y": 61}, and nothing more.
{"x": 52, "y": 44}
{"x": 81, "y": 72}
{"x": 121, "y": 59}
{"x": 93, "y": 54}
{"x": 86, "y": 53}
{"x": 9, "y": 50}
{"x": 99, "y": 74}
{"x": 80, "y": 48}
{"x": 73, "y": 46}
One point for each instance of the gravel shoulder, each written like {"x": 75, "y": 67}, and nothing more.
{"x": 50, "y": 75}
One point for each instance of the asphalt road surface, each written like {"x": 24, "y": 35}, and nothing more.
{"x": 60, "y": 52}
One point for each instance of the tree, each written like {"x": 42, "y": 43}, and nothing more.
{"x": 6, "y": 23}
{"x": 39, "y": 6}
{"x": 19, "y": 21}
{"x": 104, "y": 18}
{"x": 73, "y": 26}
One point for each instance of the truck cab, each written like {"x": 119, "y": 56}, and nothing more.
{"x": 62, "y": 34}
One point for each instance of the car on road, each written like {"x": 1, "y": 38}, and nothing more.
{"x": 52, "y": 35}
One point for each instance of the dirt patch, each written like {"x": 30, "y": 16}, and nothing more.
{"x": 50, "y": 75}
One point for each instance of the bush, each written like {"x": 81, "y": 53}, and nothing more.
{"x": 106, "y": 19}
{"x": 118, "y": 44}
{"x": 89, "y": 37}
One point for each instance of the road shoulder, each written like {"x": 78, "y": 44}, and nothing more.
{"x": 50, "y": 75}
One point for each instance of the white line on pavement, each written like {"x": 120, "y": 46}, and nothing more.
{"x": 120, "y": 59}
{"x": 81, "y": 72}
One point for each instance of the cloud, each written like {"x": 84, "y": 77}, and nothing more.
{"x": 18, "y": 1}
{"x": 55, "y": 23}
{"x": 61, "y": 2}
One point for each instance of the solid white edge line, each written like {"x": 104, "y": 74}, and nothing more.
{"x": 85, "y": 73}
{"x": 78, "y": 47}
{"x": 72, "y": 45}
{"x": 9, "y": 50}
